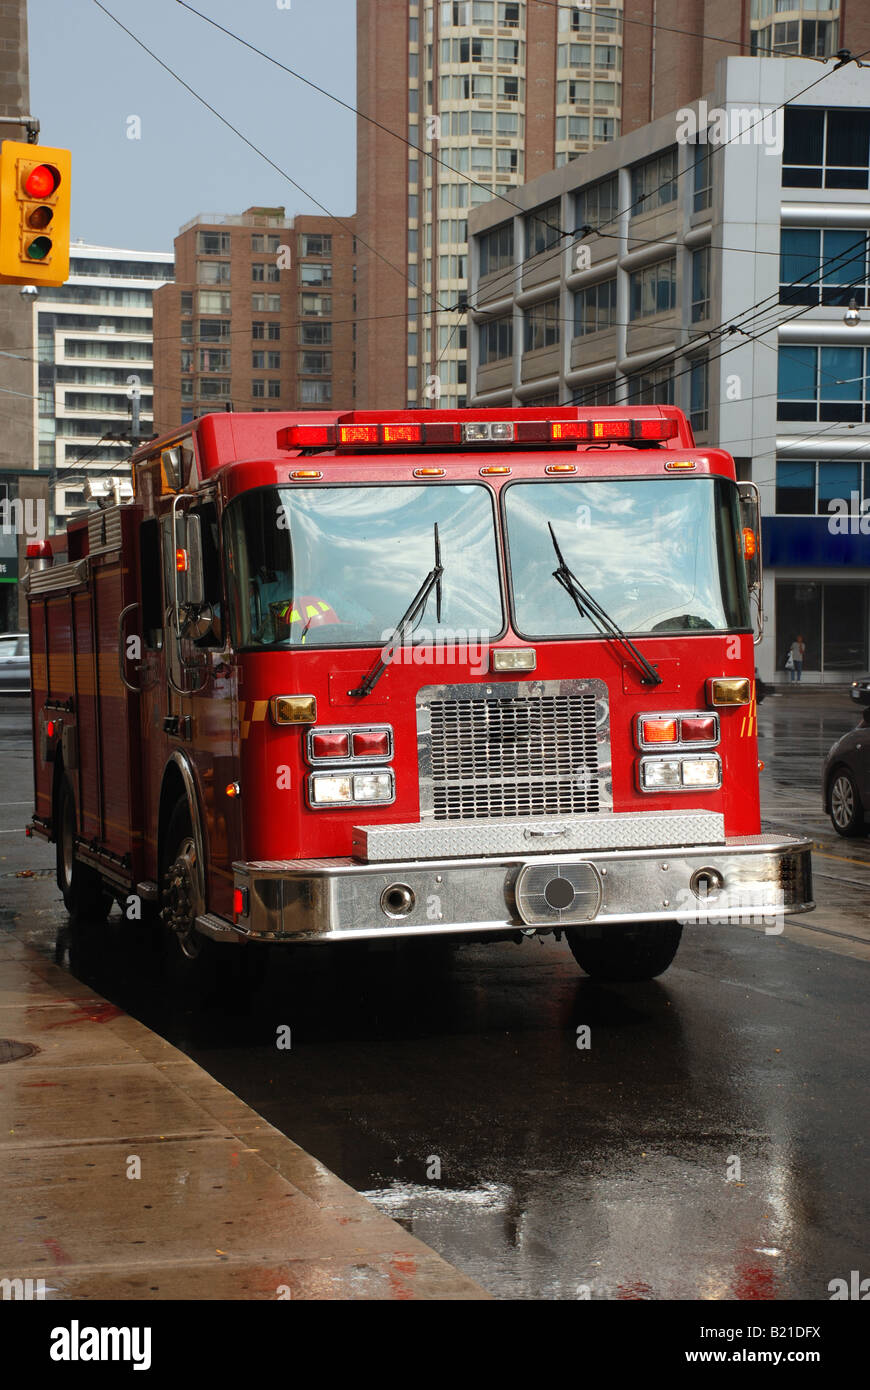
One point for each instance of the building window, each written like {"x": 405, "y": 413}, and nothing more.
{"x": 821, "y": 265}
{"x": 258, "y": 329}
{"x": 597, "y": 205}
{"x": 273, "y": 361}
{"x": 258, "y": 270}
{"x": 596, "y": 393}
{"x": 274, "y": 390}
{"x": 187, "y": 301}
{"x": 273, "y": 303}
{"x": 218, "y": 389}
{"x": 831, "y": 618}
{"x": 604, "y": 128}
{"x": 595, "y": 308}
{"x": 316, "y": 243}
{"x": 316, "y": 274}
{"x": 274, "y": 331}
{"x": 315, "y": 363}
{"x": 212, "y": 272}
{"x": 652, "y": 388}
{"x": 826, "y": 149}
{"x": 213, "y": 302}
{"x": 701, "y": 284}
{"x": 822, "y": 383}
{"x": 702, "y": 177}
{"x": 213, "y": 243}
{"x": 214, "y": 359}
{"x": 542, "y": 229}
{"x": 187, "y": 388}
{"x": 497, "y": 249}
{"x": 699, "y": 396}
{"x": 509, "y": 16}
{"x": 258, "y": 243}
{"x": 258, "y": 388}
{"x": 314, "y": 334}
{"x": 795, "y": 487}
{"x": 213, "y": 330}
{"x": 258, "y": 361}
{"x": 315, "y": 392}
{"x": 654, "y": 183}
{"x": 653, "y": 290}
{"x": 807, "y": 487}
{"x": 507, "y": 89}
{"x": 186, "y": 359}
{"x": 496, "y": 340}
{"x": 542, "y": 325}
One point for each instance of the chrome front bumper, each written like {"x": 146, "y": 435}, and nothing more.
{"x": 750, "y": 880}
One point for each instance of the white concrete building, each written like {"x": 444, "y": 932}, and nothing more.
{"x": 95, "y": 349}
{"x": 763, "y": 226}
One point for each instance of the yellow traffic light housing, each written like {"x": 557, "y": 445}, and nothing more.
{"x": 34, "y": 214}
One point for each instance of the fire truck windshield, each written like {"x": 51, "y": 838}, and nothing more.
{"x": 660, "y": 555}
{"x": 336, "y": 566}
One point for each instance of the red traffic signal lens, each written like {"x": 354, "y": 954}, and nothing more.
{"x": 41, "y": 181}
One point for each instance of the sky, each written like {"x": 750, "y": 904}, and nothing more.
{"x": 88, "y": 80}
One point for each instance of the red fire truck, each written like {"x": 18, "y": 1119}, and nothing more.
{"x": 355, "y": 676}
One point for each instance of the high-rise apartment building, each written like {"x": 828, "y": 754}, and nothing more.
{"x": 260, "y": 316}
{"x": 95, "y": 365}
{"x": 491, "y": 94}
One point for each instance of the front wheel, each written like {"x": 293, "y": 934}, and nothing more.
{"x": 626, "y": 951}
{"x": 847, "y": 813}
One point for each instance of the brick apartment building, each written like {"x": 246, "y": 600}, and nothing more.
{"x": 260, "y": 316}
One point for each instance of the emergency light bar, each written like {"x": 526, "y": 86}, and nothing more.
{"x": 352, "y": 434}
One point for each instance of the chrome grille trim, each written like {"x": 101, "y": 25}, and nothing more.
{"x": 514, "y": 749}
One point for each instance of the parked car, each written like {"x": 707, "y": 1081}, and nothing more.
{"x": 860, "y": 691}
{"x": 14, "y": 663}
{"x": 846, "y": 781}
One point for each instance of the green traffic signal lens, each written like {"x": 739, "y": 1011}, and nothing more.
{"x": 38, "y": 248}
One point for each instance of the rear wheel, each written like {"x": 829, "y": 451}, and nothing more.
{"x": 84, "y": 892}
{"x": 847, "y": 812}
{"x": 626, "y": 951}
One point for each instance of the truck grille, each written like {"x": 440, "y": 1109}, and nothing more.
{"x": 535, "y": 753}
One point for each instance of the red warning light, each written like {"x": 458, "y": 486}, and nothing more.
{"x": 41, "y": 181}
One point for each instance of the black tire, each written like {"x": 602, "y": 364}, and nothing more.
{"x": 193, "y": 962}
{"x": 847, "y": 811}
{"x": 84, "y": 893}
{"x": 186, "y": 950}
{"x": 631, "y": 951}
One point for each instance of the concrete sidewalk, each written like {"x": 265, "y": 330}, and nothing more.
{"x": 225, "y": 1208}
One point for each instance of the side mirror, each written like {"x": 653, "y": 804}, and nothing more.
{"x": 188, "y": 562}
{"x": 750, "y": 536}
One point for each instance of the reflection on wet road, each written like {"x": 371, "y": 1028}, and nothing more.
{"x": 709, "y": 1142}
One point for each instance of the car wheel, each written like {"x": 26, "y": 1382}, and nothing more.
{"x": 847, "y": 813}
{"x": 626, "y": 951}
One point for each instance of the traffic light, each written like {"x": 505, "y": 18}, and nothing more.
{"x": 34, "y": 214}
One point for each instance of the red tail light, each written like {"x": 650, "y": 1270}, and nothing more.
{"x": 330, "y": 745}
{"x": 698, "y": 728}
{"x": 373, "y": 743}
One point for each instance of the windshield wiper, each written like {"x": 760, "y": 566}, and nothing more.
{"x": 590, "y": 608}
{"x": 409, "y": 619}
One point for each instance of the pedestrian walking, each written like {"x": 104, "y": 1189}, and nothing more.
{"x": 795, "y": 661}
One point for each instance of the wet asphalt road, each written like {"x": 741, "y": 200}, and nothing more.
{"x": 710, "y": 1143}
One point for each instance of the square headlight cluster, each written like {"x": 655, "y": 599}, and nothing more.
{"x": 340, "y": 750}
{"x": 695, "y": 773}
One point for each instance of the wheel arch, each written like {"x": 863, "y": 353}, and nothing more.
{"x": 179, "y": 781}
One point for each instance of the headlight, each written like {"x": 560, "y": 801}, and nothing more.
{"x": 680, "y": 774}
{"x": 350, "y": 788}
